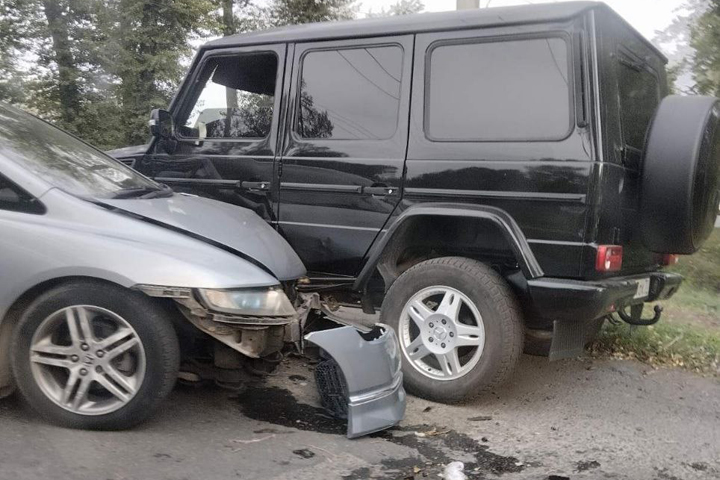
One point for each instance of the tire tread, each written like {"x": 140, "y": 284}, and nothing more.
{"x": 507, "y": 308}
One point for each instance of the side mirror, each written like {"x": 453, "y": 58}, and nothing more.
{"x": 161, "y": 124}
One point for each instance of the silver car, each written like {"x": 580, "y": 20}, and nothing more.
{"x": 105, "y": 274}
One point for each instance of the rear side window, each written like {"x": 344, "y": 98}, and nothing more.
{"x": 639, "y": 98}
{"x": 350, "y": 94}
{"x": 510, "y": 90}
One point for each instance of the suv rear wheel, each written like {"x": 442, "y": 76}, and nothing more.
{"x": 459, "y": 327}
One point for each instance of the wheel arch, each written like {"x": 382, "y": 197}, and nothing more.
{"x": 492, "y": 221}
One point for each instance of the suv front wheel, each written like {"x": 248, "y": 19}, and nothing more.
{"x": 459, "y": 326}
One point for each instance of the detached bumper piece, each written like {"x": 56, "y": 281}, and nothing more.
{"x": 361, "y": 380}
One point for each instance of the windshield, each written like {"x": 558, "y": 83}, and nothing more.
{"x": 64, "y": 161}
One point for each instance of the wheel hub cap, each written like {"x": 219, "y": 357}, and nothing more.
{"x": 436, "y": 333}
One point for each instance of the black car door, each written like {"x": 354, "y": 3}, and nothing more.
{"x": 344, "y": 148}
{"x": 227, "y": 124}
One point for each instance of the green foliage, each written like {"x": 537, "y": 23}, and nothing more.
{"x": 688, "y": 335}
{"x": 702, "y": 269}
{"x": 14, "y": 32}
{"x": 402, "y": 7}
{"x": 287, "y": 12}
{"x": 664, "y": 344}
{"x": 150, "y": 39}
{"x": 97, "y": 67}
{"x": 705, "y": 39}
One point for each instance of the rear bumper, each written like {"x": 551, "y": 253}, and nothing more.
{"x": 372, "y": 379}
{"x": 577, "y": 301}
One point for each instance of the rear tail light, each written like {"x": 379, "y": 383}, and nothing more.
{"x": 609, "y": 258}
{"x": 670, "y": 259}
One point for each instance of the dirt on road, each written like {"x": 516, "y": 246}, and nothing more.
{"x": 576, "y": 419}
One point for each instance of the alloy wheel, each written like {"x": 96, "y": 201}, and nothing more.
{"x": 87, "y": 359}
{"x": 441, "y": 333}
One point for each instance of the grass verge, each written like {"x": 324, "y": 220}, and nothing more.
{"x": 663, "y": 344}
{"x": 688, "y": 335}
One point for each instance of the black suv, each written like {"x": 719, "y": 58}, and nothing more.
{"x": 487, "y": 179}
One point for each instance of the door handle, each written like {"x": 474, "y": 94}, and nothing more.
{"x": 255, "y": 186}
{"x": 380, "y": 191}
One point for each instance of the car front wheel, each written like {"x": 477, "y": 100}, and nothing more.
{"x": 459, "y": 328}
{"x": 95, "y": 356}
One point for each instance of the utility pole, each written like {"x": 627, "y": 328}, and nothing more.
{"x": 467, "y": 4}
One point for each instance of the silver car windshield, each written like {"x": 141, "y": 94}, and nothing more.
{"x": 66, "y": 162}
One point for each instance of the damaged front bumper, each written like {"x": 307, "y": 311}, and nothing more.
{"x": 367, "y": 384}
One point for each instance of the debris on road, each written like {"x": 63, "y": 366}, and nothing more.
{"x": 253, "y": 440}
{"x": 587, "y": 465}
{"x": 454, "y": 471}
{"x": 304, "y": 453}
{"x": 431, "y": 433}
{"x": 480, "y": 418}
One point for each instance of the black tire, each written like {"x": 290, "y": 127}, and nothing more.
{"x": 500, "y": 314}
{"x": 680, "y": 174}
{"x": 152, "y": 327}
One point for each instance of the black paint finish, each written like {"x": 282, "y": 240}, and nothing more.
{"x": 335, "y": 183}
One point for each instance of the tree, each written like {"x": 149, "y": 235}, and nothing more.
{"x": 692, "y": 41}
{"x": 15, "y": 30}
{"x": 51, "y": 63}
{"x": 151, "y": 37}
{"x": 287, "y": 12}
{"x": 674, "y": 40}
{"x": 705, "y": 39}
{"x": 59, "y": 20}
{"x": 402, "y": 7}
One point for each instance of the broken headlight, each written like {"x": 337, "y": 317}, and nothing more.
{"x": 252, "y": 302}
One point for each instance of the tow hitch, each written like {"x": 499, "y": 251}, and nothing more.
{"x": 635, "y": 315}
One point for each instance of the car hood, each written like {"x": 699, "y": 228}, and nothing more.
{"x": 233, "y": 228}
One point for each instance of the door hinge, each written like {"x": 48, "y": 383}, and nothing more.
{"x": 280, "y": 168}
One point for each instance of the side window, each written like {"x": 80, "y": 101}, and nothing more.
{"x": 236, "y": 99}
{"x": 14, "y": 199}
{"x": 350, "y": 94}
{"x": 639, "y": 97}
{"x": 509, "y": 90}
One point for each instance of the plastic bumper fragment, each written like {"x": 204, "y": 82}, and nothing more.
{"x": 369, "y": 373}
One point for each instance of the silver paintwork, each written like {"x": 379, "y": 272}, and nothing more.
{"x": 436, "y": 322}
{"x": 237, "y": 228}
{"x": 78, "y": 238}
{"x": 373, "y": 375}
{"x": 86, "y": 374}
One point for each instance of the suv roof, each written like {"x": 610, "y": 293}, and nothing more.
{"x": 423, "y": 22}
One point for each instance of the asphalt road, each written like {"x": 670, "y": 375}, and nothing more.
{"x": 576, "y": 419}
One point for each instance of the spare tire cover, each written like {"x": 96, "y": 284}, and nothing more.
{"x": 680, "y": 174}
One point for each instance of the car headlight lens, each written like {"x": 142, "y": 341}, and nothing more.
{"x": 253, "y": 302}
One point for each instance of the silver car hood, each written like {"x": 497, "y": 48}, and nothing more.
{"x": 236, "y": 228}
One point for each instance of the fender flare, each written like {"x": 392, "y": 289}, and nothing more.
{"x": 510, "y": 229}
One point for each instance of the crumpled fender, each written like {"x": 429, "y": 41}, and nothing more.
{"x": 370, "y": 365}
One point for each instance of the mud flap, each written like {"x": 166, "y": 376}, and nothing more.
{"x": 364, "y": 374}
{"x": 568, "y": 340}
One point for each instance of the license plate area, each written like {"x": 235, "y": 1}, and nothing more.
{"x": 643, "y": 288}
